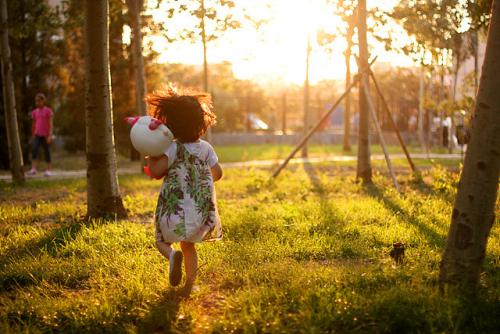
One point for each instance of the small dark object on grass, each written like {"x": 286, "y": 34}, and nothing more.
{"x": 398, "y": 252}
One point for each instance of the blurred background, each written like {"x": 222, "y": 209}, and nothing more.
{"x": 270, "y": 65}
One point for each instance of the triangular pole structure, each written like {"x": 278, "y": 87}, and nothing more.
{"x": 394, "y": 126}
{"x": 380, "y": 135}
{"x": 304, "y": 140}
{"x": 393, "y": 123}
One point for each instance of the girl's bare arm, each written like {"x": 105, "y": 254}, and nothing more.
{"x": 216, "y": 172}
{"x": 158, "y": 166}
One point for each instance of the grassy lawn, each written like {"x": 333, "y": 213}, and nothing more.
{"x": 234, "y": 153}
{"x": 307, "y": 252}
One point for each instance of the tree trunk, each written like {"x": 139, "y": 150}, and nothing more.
{"x": 23, "y": 103}
{"x": 204, "y": 41}
{"x": 306, "y": 96}
{"x": 135, "y": 8}
{"x": 248, "y": 123}
{"x": 14, "y": 144}
{"x": 420, "y": 119}
{"x": 475, "y": 47}
{"x": 103, "y": 194}
{"x": 347, "y": 112}
{"x": 283, "y": 119}
{"x": 205, "y": 62}
{"x": 454, "y": 99}
{"x": 364, "y": 169}
{"x": 429, "y": 115}
{"x": 441, "y": 113}
{"x": 474, "y": 209}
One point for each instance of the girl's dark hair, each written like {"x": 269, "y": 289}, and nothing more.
{"x": 40, "y": 96}
{"x": 187, "y": 115}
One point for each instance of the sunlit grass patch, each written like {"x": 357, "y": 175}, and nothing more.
{"x": 306, "y": 252}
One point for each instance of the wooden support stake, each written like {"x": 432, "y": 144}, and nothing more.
{"x": 394, "y": 126}
{"x": 380, "y": 136}
{"x": 313, "y": 130}
{"x": 317, "y": 126}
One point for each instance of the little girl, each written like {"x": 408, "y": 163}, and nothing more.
{"x": 186, "y": 211}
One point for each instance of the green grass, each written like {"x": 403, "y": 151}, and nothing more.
{"x": 234, "y": 153}
{"x": 307, "y": 252}
{"x": 66, "y": 161}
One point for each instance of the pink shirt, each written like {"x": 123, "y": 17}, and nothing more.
{"x": 41, "y": 117}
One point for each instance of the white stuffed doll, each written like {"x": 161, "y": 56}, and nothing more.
{"x": 149, "y": 136}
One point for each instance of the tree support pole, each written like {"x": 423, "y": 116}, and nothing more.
{"x": 317, "y": 126}
{"x": 314, "y": 129}
{"x": 380, "y": 136}
{"x": 393, "y": 123}
{"x": 394, "y": 126}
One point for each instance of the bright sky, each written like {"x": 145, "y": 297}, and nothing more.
{"x": 277, "y": 51}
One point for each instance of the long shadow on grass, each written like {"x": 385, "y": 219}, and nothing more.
{"x": 163, "y": 315}
{"x": 49, "y": 243}
{"x": 350, "y": 243}
{"x": 428, "y": 190}
{"x": 318, "y": 186}
{"x": 434, "y": 238}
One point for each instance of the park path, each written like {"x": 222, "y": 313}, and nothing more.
{"x": 67, "y": 174}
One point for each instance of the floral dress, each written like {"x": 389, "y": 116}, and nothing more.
{"x": 186, "y": 209}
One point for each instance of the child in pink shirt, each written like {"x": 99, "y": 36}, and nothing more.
{"x": 42, "y": 133}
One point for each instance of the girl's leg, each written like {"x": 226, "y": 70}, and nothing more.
{"x": 164, "y": 248}
{"x": 46, "y": 149}
{"x": 175, "y": 261}
{"x": 191, "y": 261}
{"x": 34, "y": 154}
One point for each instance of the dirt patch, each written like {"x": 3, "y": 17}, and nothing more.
{"x": 208, "y": 306}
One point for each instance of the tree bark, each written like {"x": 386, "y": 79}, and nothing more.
{"x": 420, "y": 119}
{"x": 205, "y": 62}
{"x": 283, "y": 118}
{"x": 454, "y": 99}
{"x": 135, "y": 8}
{"x": 306, "y": 96}
{"x": 204, "y": 41}
{"x": 441, "y": 112}
{"x": 364, "y": 169}
{"x": 347, "y": 112}
{"x": 103, "y": 194}
{"x": 14, "y": 143}
{"x": 429, "y": 115}
{"x": 475, "y": 41}
{"x": 474, "y": 209}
